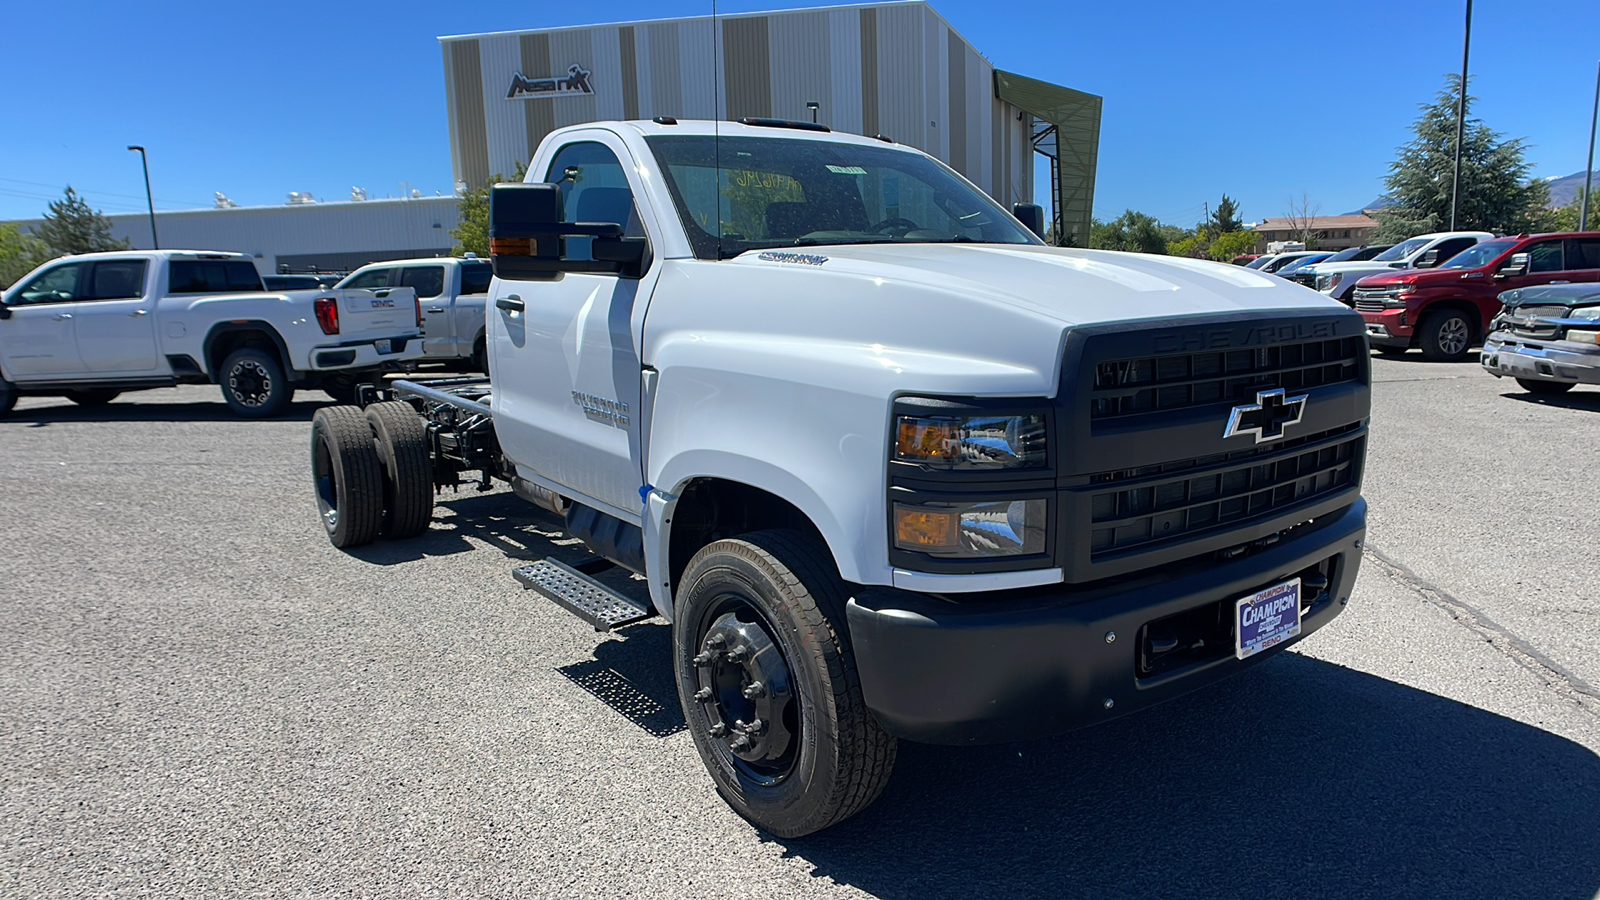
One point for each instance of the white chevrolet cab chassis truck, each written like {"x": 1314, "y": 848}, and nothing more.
{"x": 95, "y": 325}
{"x": 891, "y": 467}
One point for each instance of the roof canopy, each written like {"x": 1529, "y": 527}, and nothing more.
{"x": 1073, "y": 123}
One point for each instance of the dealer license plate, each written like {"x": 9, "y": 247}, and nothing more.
{"x": 384, "y": 345}
{"x": 1266, "y": 618}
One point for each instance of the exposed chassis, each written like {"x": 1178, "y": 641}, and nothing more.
{"x": 460, "y": 426}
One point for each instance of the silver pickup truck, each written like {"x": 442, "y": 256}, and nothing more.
{"x": 452, "y": 291}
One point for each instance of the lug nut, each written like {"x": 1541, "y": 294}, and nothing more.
{"x": 739, "y": 742}
{"x": 703, "y": 694}
{"x": 737, "y": 654}
{"x": 1110, "y": 703}
{"x": 756, "y": 689}
{"x": 1111, "y": 637}
{"x": 704, "y": 659}
{"x": 756, "y": 726}
{"x": 716, "y": 641}
{"x": 718, "y": 730}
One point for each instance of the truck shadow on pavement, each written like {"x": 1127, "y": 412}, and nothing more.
{"x": 1298, "y": 779}
{"x": 1584, "y": 400}
{"x": 41, "y": 416}
{"x": 518, "y": 529}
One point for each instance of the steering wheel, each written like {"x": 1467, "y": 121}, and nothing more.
{"x": 893, "y": 223}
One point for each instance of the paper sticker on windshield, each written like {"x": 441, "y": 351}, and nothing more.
{"x": 804, "y": 259}
{"x": 847, "y": 170}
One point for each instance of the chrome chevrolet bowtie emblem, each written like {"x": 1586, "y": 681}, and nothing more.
{"x": 1267, "y": 417}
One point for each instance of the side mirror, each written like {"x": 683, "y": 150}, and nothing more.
{"x": 1031, "y": 215}
{"x": 1517, "y": 265}
{"x": 5, "y": 311}
{"x": 1429, "y": 260}
{"x": 528, "y": 240}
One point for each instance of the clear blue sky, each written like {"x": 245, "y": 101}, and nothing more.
{"x": 259, "y": 100}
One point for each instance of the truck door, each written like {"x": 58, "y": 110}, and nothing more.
{"x": 566, "y": 368}
{"x": 438, "y": 338}
{"x": 36, "y": 342}
{"x": 115, "y": 321}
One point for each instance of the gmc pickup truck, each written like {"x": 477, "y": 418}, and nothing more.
{"x": 452, "y": 292}
{"x": 90, "y": 327}
{"x": 889, "y": 466}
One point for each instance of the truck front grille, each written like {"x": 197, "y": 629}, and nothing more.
{"x": 1131, "y": 386}
{"x": 1179, "y": 500}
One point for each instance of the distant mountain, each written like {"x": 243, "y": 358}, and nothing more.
{"x": 1380, "y": 203}
{"x": 1569, "y": 188}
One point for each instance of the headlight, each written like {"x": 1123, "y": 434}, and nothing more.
{"x": 970, "y": 530}
{"x": 1583, "y": 337}
{"x": 971, "y": 442}
{"x": 1587, "y": 312}
{"x": 1328, "y": 282}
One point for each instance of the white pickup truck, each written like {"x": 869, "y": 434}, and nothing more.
{"x": 1425, "y": 251}
{"x": 889, "y": 466}
{"x": 452, "y": 291}
{"x": 95, "y": 325}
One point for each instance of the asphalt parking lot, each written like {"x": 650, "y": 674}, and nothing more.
{"x": 199, "y": 696}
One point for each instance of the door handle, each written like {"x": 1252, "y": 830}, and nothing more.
{"x": 381, "y": 293}
{"x": 435, "y": 309}
{"x": 1560, "y": 282}
{"x": 139, "y": 312}
{"x": 62, "y": 317}
{"x": 511, "y": 303}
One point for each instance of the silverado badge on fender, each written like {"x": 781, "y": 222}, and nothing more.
{"x": 1267, "y": 417}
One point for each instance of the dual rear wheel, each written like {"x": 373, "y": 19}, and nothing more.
{"x": 371, "y": 472}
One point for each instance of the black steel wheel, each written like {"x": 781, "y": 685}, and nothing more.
{"x": 98, "y": 397}
{"x": 1535, "y": 386}
{"x": 254, "y": 384}
{"x": 401, "y": 441}
{"x": 346, "y": 475}
{"x": 769, "y": 686}
{"x": 1446, "y": 335}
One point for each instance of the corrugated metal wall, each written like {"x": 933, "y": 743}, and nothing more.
{"x": 334, "y": 235}
{"x": 896, "y": 69}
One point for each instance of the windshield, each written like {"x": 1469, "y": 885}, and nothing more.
{"x": 1478, "y": 255}
{"x": 1297, "y": 264}
{"x": 1401, "y": 250}
{"x": 786, "y": 192}
{"x": 1260, "y": 261}
{"x": 1342, "y": 255}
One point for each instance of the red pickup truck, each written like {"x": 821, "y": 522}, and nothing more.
{"x": 1446, "y": 310}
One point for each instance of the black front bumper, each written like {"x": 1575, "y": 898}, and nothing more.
{"x": 1039, "y": 662}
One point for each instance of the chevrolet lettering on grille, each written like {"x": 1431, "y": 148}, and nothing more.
{"x": 1266, "y": 418}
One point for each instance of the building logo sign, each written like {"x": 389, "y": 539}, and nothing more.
{"x": 576, "y": 84}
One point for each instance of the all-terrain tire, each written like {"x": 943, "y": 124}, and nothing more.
{"x": 1446, "y": 335}
{"x": 92, "y": 398}
{"x": 346, "y": 475}
{"x": 784, "y": 584}
{"x": 254, "y": 384}
{"x": 1535, "y": 386}
{"x": 480, "y": 356}
{"x": 401, "y": 441}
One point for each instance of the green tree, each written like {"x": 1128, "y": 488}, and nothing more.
{"x": 1194, "y": 246}
{"x": 472, "y": 210}
{"x": 1132, "y": 230}
{"x": 1565, "y": 218}
{"x": 20, "y": 253}
{"x": 1226, "y": 246}
{"x": 1496, "y": 193}
{"x": 73, "y": 226}
{"x": 1225, "y": 218}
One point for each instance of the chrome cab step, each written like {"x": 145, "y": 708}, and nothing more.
{"x": 581, "y": 595}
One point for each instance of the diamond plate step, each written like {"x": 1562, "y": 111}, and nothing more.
{"x": 582, "y": 596}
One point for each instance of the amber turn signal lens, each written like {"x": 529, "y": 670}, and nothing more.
{"x": 924, "y": 528}
{"x": 928, "y": 439}
{"x": 513, "y": 247}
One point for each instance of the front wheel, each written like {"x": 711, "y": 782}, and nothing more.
{"x": 1534, "y": 386}
{"x": 1446, "y": 336}
{"x": 769, "y": 686}
{"x": 8, "y": 396}
{"x": 254, "y": 384}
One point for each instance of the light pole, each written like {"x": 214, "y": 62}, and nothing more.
{"x": 1461, "y": 120}
{"x": 155, "y": 243}
{"x": 1583, "y": 217}
{"x": 813, "y": 106}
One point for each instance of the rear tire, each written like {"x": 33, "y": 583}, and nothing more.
{"x": 8, "y": 396}
{"x": 346, "y": 475}
{"x": 401, "y": 441}
{"x": 1446, "y": 335}
{"x": 480, "y": 356}
{"x": 800, "y": 752}
{"x": 1534, "y": 386}
{"x": 254, "y": 384}
{"x": 92, "y": 398}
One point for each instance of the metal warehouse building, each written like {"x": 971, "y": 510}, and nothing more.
{"x": 896, "y": 69}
